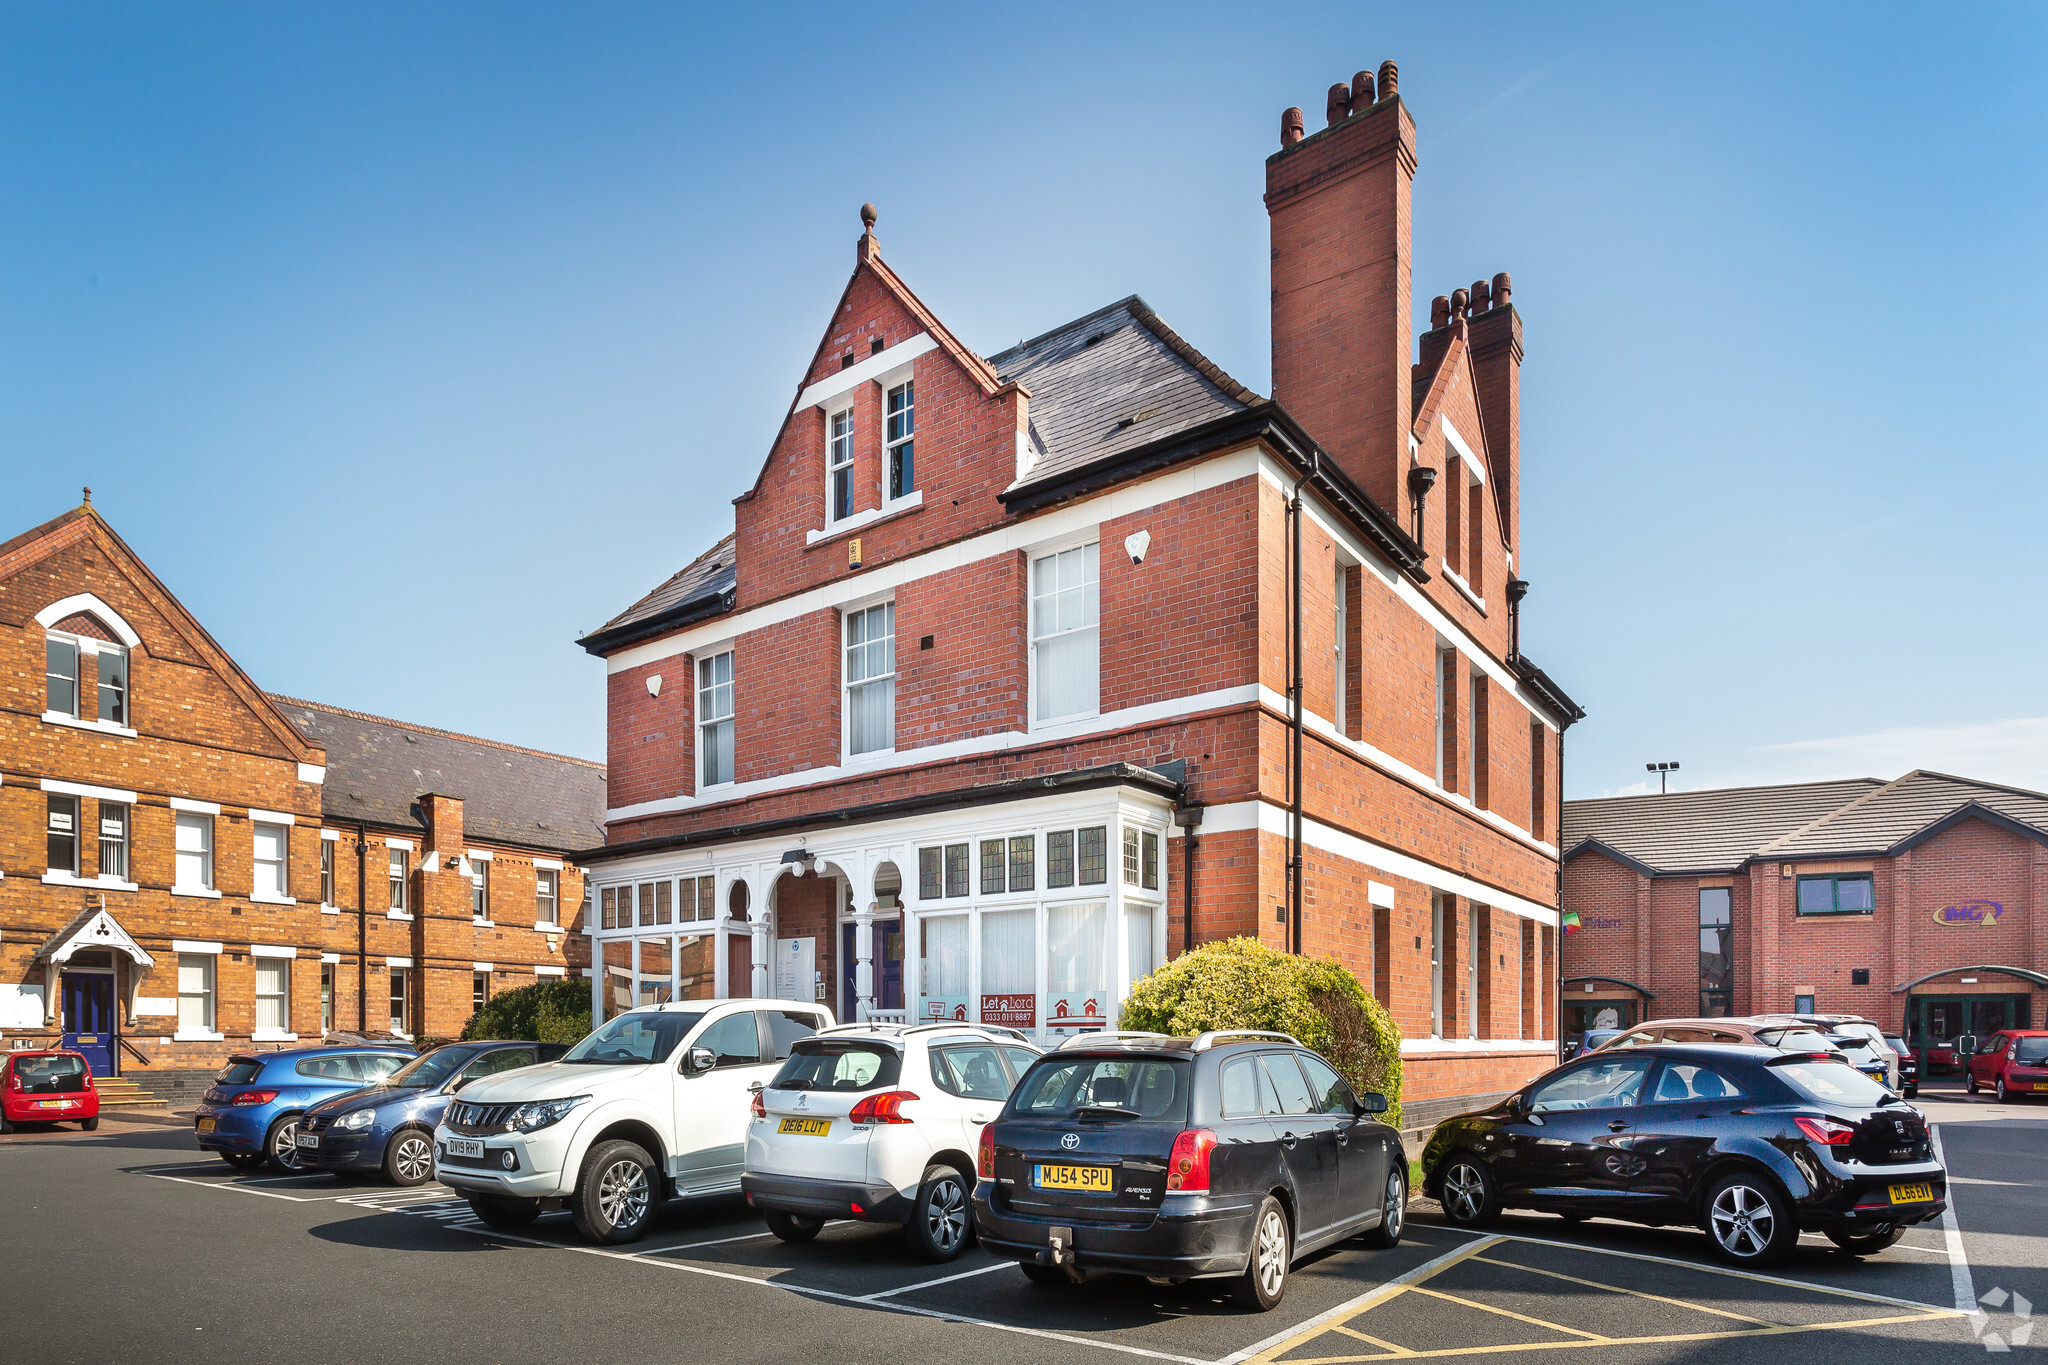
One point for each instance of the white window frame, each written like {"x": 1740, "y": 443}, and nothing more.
{"x": 1444, "y": 655}
{"x": 1037, "y": 556}
{"x": 480, "y": 890}
{"x": 100, "y": 688}
{"x": 121, "y": 841}
{"x": 847, "y": 616}
{"x": 184, "y": 820}
{"x": 1341, "y": 650}
{"x": 402, "y": 859}
{"x": 700, "y": 661}
{"x": 209, "y": 994}
{"x": 282, "y": 895}
{"x": 69, "y": 642}
{"x": 906, "y": 379}
{"x": 270, "y": 1032}
{"x": 550, "y": 878}
{"x": 401, "y": 979}
{"x": 51, "y": 802}
{"x": 833, "y": 465}
{"x": 327, "y": 870}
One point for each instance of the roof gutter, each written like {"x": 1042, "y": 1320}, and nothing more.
{"x": 602, "y": 642}
{"x": 1016, "y": 789}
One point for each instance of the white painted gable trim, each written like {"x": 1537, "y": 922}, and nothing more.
{"x": 102, "y": 931}
{"x": 86, "y": 602}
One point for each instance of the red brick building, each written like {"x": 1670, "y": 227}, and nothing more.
{"x": 1920, "y": 903}
{"x": 189, "y": 865}
{"x": 1022, "y": 673}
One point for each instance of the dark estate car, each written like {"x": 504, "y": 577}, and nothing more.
{"x": 1230, "y": 1155}
{"x": 390, "y": 1126}
{"x": 1749, "y": 1144}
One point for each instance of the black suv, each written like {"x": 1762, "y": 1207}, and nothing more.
{"x": 1224, "y": 1156}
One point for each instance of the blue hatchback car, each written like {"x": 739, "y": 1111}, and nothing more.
{"x": 251, "y": 1112}
{"x": 390, "y": 1126}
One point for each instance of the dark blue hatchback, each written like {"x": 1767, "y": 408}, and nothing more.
{"x": 251, "y": 1113}
{"x": 391, "y": 1125}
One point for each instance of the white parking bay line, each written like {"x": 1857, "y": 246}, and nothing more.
{"x": 1952, "y": 1234}
{"x": 692, "y": 1246}
{"x": 943, "y": 1279}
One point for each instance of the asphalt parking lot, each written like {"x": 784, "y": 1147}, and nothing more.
{"x": 141, "y": 1245}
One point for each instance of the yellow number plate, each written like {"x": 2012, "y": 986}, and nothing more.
{"x": 1089, "y": 1179}
{"x": 1912, "y": 1194}
{"x": 806, "y": 1127}
{"x": 205, "y": 1125}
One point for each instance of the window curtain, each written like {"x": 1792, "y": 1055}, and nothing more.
{"x": 1138, "y": 942}
{"x": 945, "y": 956}
{"x": 1076, "y": 949}
{"x": 1008, "y": 952}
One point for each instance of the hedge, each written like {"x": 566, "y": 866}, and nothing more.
{"x": 1242, "y": 983}
{"x": 546, "y": 1012}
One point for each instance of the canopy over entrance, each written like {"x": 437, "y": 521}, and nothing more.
{"x": 93, "y": 928}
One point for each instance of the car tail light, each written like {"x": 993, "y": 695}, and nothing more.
{"x": 254, "y": 1097}
{"x": 1826, "y": 1132}
{"x": 886, "y": 1107}
{"x": 757, "y": 1107}
{"x": 1187, "y": 1170}
{"x": 985, "y": 1159}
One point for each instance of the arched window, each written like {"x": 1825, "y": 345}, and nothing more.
{"x": 86, "y": 655}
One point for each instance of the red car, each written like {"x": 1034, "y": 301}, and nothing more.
{"x": 46, "y": 1086}
{"x": 2012, "y": 1062}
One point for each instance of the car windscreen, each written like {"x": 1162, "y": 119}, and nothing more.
{"x": 1897, "y": 1045}
{"x": 842, "y": 1064}
{"x": 2033, "y": 1051}
{"x": 1793, "y": 1039}
{"x": 49, "y": 1075}
{"x": 238, "y": 1073}
{"x": 429, "y": 1071}
{"x": 634, "y": 1039}
{"x": 1833, "y": 1083}
{"x": 1141, "y": 1087}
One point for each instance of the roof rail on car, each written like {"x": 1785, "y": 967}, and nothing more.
{"x": 1216, "y": 1035}
{"x": 1100, "y": 1035}
{"x": 961, "y": 1026}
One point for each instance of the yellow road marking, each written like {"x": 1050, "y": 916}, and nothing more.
{"x": 1718, "y": 1270}
{"x": 1641, "y": 1294}
{"x": 1385, "y": 1292}
{"x": 1509, "y": 1313}
{"x": 1402, "y": 1353}
{"x": 1393, "y": 1352}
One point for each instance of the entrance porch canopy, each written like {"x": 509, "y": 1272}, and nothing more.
{"x": 93, "y": 928}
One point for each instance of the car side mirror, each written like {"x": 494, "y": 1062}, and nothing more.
{"x": 700, "y": 1059}
{"x": 1372, "y": 1104}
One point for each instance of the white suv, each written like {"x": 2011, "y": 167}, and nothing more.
{"x": 881, "y": 1123}
{"x": 649, "y": 1106}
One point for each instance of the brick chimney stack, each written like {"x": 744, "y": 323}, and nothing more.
{"x": 1497, "y": 370}
{"x": 1339, "y": 208}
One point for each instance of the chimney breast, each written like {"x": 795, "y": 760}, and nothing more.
{"x": 1339, "y": 107}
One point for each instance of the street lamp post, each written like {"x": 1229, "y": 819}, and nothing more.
{"x": 1663, "y": 771}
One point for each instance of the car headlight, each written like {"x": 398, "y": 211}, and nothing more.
{"x": 356, "y": 1119}
{"x": 528, "y": 1117}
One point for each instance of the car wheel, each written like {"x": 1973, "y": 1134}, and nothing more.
{"x": 6, "y": 1124}
{"x": 940, "y": 1222}
{"x": 1970, "y": 1084}
{"x": 498, "y": 1212}
{"x": 1468, "y": 1194}
{"x": 1912, "y": 1090}
{"x": 281, "y": 1145}
{"x": 409, "y": 1157}
{"x": 1265, "y": 1273}
{"x": 793, "y": 1228}
{"x": 1393, "y": 1213}
{"x": 1867, "y": 1244}
{"x": 614, "y": 1201}
{"x": 2004, "y": 1095}
{"x": 1044, "y": 1276}
{"x": 243, "y": 1161}
{"x": 91, "y": 1124}
{"x": 1749, "y": 1222}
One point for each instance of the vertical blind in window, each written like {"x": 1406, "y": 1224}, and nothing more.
{"x": 871, "y": 679}
{"x": 195, "y": 992}
{"x": 1138, "y": 942}
{"x": 714, "y": 718}
{"x": 1009, "y": 959}
{"x": 545, "y": 890}
{"x": 1077, "y": 958}
{"x": 272, "y": 1010}
{"x": 113, "y": 840}
{"x": 1064, "y": 634}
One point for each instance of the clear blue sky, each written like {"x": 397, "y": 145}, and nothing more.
{"x": 406, "y": 342}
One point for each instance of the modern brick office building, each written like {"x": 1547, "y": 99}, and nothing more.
{"x": 1021, "y": 673}
{"x": 1920, "y": 903}
{"x": 190, "y": 866}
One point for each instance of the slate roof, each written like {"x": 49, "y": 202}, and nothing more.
{"x": 703, "y": 586}
{"x": 1112, "y": 381}
{"x": 1719, "y": 831}
{"x": 377, "y": 768}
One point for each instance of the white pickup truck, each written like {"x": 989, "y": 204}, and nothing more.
{"x": 651, "y": 1105}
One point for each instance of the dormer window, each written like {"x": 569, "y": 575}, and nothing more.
{"x": 901, "y": 439}
{"x": 839, "y": 466}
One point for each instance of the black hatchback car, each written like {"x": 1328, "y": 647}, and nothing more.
{"x": 1229, "y": 1155}
{"x": 1749, "y": 1144}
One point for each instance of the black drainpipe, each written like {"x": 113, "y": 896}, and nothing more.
{"x": 362, "y": 932}
{"x": 1189, "y": 818}
{"x": 1294, "y": 700}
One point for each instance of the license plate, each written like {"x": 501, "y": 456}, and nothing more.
{"x": 1912, "y": 1194}
{"x": 307, "y": 1139}
{"x": 464, "y": 1146}
{"x": 805, "y": 1127}
{"x": 1087, "y": 1179}
{"x": 53, "y": 1104}
{"x": 204, "y": 1126}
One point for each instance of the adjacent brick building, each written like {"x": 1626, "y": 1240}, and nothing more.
{"x": 181, "y": 853}
{"x": 995, "y": 697}
{"x": 1920, "y": 903}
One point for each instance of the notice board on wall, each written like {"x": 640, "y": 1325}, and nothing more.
{"x": 796, "y": 968}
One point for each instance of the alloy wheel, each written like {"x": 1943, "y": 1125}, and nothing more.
{"x": 1743, "y": 1221}
{"x": 284, "y": 1148}
{"x": 1271, "y": 1253}
{"x": 945, "y": 1216}
{"x": 414, "y": 1158}
{"x": 1464, "y": 1192}
{"x": 1397, "y": 1204}
{"x": 622, "y": 1193}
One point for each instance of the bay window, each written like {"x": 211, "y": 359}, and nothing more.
{"x": 942, "y": 966}
{"x": 1065, "y": 650}
{"x": 1077, "y": 963}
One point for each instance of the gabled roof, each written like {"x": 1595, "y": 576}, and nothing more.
{"x": 1720, "y": 831}
{"x": 703, "y": 587}
{"x": 378, "y": 768}
{"x": 1111, "y": 381}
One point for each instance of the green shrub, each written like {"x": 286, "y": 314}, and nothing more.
{"x": 546, "y": 1012}
{"x": 1242, "y": 983}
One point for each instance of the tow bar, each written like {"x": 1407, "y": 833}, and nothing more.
{"x": 1060, "y": 1251}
